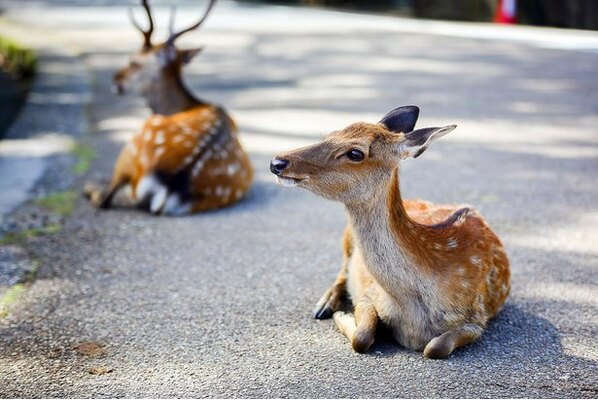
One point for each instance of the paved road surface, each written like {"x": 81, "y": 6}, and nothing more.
{"x": 218, "y": 305}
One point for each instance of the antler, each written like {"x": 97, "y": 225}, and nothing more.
{"x": 175, "y": 35}
{"x": 147, "y": 35}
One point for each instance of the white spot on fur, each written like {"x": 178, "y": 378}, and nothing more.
{"x": 147, "y": 135}
{"x": 452, "y": 243}
{"x": 178, "y": 139}
{"x": 188, "y": 160}
{"x": 218, "y": 191}
{"x": 475, "y": 260}
{"x": 159, "y": 140}
{"x": 437, "y": 246}
{"x": 158, "y": 152}
{"x": 206, "y": 125}
{"x": 197, "y": 168}
{"x": 157, "y": 121}
{"x": 238, "y": 194}
{"x": 232, "y": 169}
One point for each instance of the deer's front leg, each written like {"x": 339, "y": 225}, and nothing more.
{"x": 331, "y": 299}
{"x": 361, "y": 328}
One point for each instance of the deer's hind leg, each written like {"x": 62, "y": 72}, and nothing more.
{"x": 442, "y": 346}
{"x": 331, "y": 299}
{"x": 359, "y": 328}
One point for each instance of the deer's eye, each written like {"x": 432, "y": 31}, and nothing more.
{"x": 355, "y": 155}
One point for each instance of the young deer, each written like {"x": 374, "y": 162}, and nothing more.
{"x": 187, "y": 157}
{"x": 435, "y": 274}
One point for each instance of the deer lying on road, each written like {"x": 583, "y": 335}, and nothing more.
{"x": 435, "y": 274}
{"x": 187, "y": 157}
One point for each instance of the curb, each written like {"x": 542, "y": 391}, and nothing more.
{"x": 36, "y": 154}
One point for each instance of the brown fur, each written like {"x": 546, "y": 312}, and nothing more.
{"x": 435, "y": 274}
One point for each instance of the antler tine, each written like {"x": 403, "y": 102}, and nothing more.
{"x": 171, "y": 22}
{"x": 147, "y": 35}
{"x": 149, "y": 17}
{"x": 175, "y": 36}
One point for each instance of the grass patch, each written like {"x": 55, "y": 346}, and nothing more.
{"x": 10, "y": 297}
{"x": 21, "y": 237}
{"x": 17, "y": 60}
{"x": 60, "y": 202}
{"x": 84, "y": 155}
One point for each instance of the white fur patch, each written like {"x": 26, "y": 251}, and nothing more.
{"x": 286, "y": 182}
{"x": 146, "y": 187}
{"x": 174, "y": 206}
{"x": 452, "y": 243}
{"x": 158, "y": 199}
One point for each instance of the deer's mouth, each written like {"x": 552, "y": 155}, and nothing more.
{"x": 289, "y": 181}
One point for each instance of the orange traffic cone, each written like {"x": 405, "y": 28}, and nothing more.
{"x": 506, "y": 12}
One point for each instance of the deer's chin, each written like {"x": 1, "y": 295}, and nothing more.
{"x": 289, "y": 182}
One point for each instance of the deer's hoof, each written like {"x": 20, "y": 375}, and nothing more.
{"x": 324, "y": 312}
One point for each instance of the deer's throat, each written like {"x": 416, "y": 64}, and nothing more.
{"x": 169, "y": 95}
{"x": 388, "y": 239}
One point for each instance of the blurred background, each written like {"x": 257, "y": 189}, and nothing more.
{"x": 577, "y": 14}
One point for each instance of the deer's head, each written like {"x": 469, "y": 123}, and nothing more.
{"x": 353, "y": 163}
{"x": 155, "y": 62}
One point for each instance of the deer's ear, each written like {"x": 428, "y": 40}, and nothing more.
{"x": 401, "y": 119}
{"x": 188, "y": 54}
{"x": 416, "y": 142}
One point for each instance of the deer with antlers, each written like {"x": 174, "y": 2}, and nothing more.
{"x": 187, "y": 157}
{"x": 434, "y": 274}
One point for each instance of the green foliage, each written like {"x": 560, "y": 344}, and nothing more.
{"x": 84, "y": 154}
{"x": 60, "y": 202}
{"x": 10, "y": 297}
{"x": 21, "y": 237}
{"x": 17, "y": 60}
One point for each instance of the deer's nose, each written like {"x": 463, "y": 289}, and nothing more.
{"x": 277, "y": 166}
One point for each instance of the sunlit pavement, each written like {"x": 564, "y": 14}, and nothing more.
{"x": 219, "y": 304}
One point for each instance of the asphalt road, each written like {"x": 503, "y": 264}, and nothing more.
{"x": 218, "y": 304}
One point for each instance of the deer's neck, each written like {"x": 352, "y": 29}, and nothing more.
{"x": 391, "y": 242}
{"x": 168, "y": 95}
